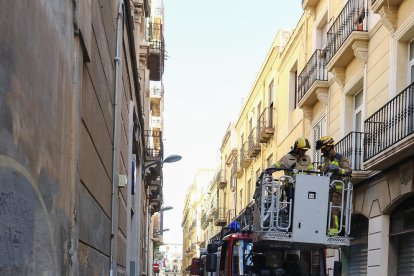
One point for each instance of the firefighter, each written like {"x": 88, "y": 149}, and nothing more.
{"x": 337, "y": 164}
{"x": 297, "y": 157}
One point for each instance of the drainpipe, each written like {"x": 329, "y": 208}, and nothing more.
{"x": 147, "y": 236}
{"x": 115, "y": 148}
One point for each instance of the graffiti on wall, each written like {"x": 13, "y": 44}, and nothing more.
{"x": 17, "y": 213}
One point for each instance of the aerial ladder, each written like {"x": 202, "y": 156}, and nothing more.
{"x": 291, "y": 212}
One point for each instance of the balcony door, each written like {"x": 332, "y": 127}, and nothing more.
{"x": 358, "y": 122}
{"x": 411, "y": 62}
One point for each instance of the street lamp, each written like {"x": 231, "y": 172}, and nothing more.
{"x": 170, "y": 159}
{"x": 166, "y": 208}
{"x": 159, "y": 232}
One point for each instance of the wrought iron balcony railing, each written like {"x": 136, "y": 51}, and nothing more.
{"x": 219, "y": 216}
{"x": 390, "y": 124}
{"x": 234, "y": 168}
{"x": 153, "y": 143}
{"x": 204, "y": 221}
{"x": 245, "y": 159}
{"x": 265, "y": 127}
{"x": 351, "y": 146}
{"x": 231, "y": 214}
{"x": 254, "y": 146}
{"x": 157, "y": 91}
{"x": 353, "y": 17}
{"x": 314, "y": 70}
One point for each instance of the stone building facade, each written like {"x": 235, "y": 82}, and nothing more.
{"x": 78, "y": 155}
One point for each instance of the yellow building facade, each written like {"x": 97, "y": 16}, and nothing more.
{"x": 346, "y": 70}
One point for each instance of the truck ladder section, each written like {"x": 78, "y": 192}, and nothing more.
{"x": 345, "y": 211}
{"x": 275, "y": 208}
{"x": 277, "y": 213}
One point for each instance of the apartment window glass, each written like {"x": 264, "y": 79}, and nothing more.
{"x": 271, "y": 105}
{"x": 269, "y": 161}
{"x": 358, "y": 121}
{"x": 295, "y": 88}
{"x": 323, "y": 35}
{"x": 411, "y": 64}
{"x": 241, "y": 199}
{"x": 249, "y": 184}
{"x": 235, "y": 202}
{"x": 319, "y": 130}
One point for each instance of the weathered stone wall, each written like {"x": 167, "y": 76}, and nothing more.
{"x": 36, "y": 93}
{"x": 56, "y": 124}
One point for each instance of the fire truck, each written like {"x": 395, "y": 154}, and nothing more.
{"x": 291, "y": 215}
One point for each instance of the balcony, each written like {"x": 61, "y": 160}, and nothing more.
{"x": 156, "y": 122}
{"x": 309, "y": 4}
{"x": 390, "y": 130}
{"x": 156, "y": 51}
{"x": 351, "y": 147}
{"x": 192, "y": 226}
{"x": 221, "y": 179}
{"x": 348, "y": 36}
{"x": 254, "y": 145}
{"x": 313, "y": 80}
{"x": 153, "y": 145}
{"x": 204, "y": 221}
{"x": 156, "y": 94}
{"x": 155, "y": 186}
{"x": 236, "y": 169}
{"x": 265, "y": 129}
{"x": 219, "y": 217}
{"x": 245, "y": 159}
{"x": 231, "y": 214}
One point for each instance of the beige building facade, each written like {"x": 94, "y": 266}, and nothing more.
{"x": 346, "y": 70}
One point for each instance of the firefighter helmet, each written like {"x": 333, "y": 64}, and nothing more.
{"x": 325, "y": 141}
{"x": 302, "y": 143}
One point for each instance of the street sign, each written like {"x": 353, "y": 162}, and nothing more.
{"x": 156, "y": 267}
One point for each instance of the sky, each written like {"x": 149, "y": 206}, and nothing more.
{"x": 215, "y": 50}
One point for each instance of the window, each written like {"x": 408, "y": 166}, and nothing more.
{"x": 249, "y": 184}
{"x": 235, "y": 202}
{"x": 411, "y": 62}
{"x": 357, "y": 118}
{"x": 293, "y": 85}
{"x": 318, "y": 130}
{"x": 269, "y": 161}
{"x": 241, "y": 199}
{"x": 259, "y": 113}
{"x": 271, "y": 105}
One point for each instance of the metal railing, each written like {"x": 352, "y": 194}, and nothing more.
{"x": 217, "y": 177}
{"x": 204, "y": 220}
{"x": 243, "y": 152}
{"x": 234, "y": 168}
{"x": 231, "y": 214}
{"x": 390, "y": 124}
{"x": 353, "y": 17}
{"x": 156, "y": 91}
{"x": 219, "y": 214}
{"x": 155, "y": 34}
{"x": 252, "y": 139}
{"x": 265, "y": 120}
{"x": 153, "y": 143}
{"x": 351, "y": 147}
{"x": 314, "y": 70}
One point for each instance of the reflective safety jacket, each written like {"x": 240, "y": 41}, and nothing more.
{"x": 292, "y": 161}
{"x": 337, "y": 160}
